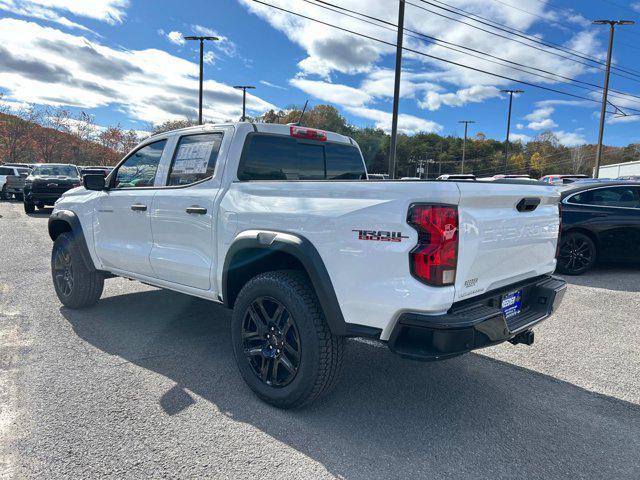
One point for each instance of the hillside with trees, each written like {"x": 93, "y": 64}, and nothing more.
{"x": 55, "y": 135}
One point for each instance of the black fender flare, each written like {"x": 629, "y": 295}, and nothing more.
{"x": 56, "y": 220}
{"x": 305, "y": 252}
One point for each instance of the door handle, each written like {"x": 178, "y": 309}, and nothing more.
{"x": 196, "y": 210}
{"x": 139, "y": 208}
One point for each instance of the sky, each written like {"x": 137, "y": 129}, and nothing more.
{"x": 126, "y": 62}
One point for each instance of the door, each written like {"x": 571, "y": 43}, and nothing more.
{"x": 613, "y": 214}
{"x": 183, "y": 214}
{"x": 122, "y": 232}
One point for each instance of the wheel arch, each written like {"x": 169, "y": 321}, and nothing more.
{"x": 254, "y": 252}
{"x": 587, "y": 232}
{"x": 62, "y": 221}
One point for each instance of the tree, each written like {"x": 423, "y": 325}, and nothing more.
{"x": 16, "y": 131}
{"x": 50, "y": 139}
{"x": 578, "y": 159}
{"x": 173, "y": 125}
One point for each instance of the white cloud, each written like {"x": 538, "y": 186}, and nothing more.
{"x": 176, "y": 37}
{"x": 635, "y": 6}
{"x": 478, "y": 93}
{"x": 209, "y": 57}
{"x": 332, "y": 92}
{"x": 569, "y": 103}
{"x": 406, "y": 123}
{"x": 44, "y": 65}
{"x": 109, "y": 11}
{"x": 519, "y": 126}
{"x": 570, "y": 139}
{"x": 539, "y": 114}
{"x": 545, "y": 124}
{"x": 380, "y": 83}
{"x": 613, "y": 119}
{"x": 272, "y": 85}
{"x": 519, "y": 137}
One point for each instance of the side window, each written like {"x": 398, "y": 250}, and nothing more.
{"x": 139, "y": 170}
{"x": 6, "y": 171}
{"x": 608, "y": 197}
{"x": 195, "y": 158}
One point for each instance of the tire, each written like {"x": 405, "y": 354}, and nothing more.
{"x": 29, "y": 207}
{"x": 577, "y": 255}
{"x": 3, "y": 193}
{"x": 75, "y": 285}
{"x": 19, "y": 197}
{"x": 314, "y": 354}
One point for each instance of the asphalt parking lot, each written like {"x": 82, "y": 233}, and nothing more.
{"x": 144, "y": 385}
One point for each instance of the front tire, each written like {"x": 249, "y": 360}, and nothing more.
{"x": 283, "y": 346}
{"x": 3, "y": 193}
{"x": 577, "y": 254}
{"x": 75, "y": 285}
{"x": 29, "y": 207}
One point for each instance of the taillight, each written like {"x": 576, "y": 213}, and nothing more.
{"x": 435, "y": 258}
{"x": 308, "y": 133}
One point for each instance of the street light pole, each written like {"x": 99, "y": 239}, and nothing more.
{"x": 605, "y": 91}
{"x": 201, "y": 39}
{"x": 464, "y": 142}
{"x": 506, "y": 146}
{"x": 396, "y": 93}
{"x": 244, "y": 98}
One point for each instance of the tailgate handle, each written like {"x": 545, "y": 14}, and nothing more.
{"x": 528, "y": 204}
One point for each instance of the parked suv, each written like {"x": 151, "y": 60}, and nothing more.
{"x": 46, "y": 184}
{"x": 275, "y": 222}
{"x": 12, "y": 181}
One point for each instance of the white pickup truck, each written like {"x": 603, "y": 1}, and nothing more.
{"x": 281, "y": 224}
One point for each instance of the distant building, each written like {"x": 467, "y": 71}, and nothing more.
{"x": 616, "y": 170}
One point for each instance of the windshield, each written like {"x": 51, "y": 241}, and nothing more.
{"x": 55, "y": 170}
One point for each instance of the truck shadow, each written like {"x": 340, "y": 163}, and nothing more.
{"x": 470, "y": 417}
{"x": 610, "y": 276}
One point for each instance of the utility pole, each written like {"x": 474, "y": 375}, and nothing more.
{"x": 201, "y": 40}
{"x": 612, "y": 24}
{"x": 464, "y": 142}
{"x": 396, "y": 93}
{"x": 506, "y": 145}
{"x": 244, "y": 98}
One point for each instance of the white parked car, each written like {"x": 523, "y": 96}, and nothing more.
{"x": 276, "y": 222}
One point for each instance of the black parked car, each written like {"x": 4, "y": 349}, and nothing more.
{"x": 600, "y": 222}
{"x": 47, "y": 183}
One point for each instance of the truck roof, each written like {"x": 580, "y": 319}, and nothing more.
{"x": 273, "y": 128}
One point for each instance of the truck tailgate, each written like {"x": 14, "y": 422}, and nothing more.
{"x": 508, "y": 233}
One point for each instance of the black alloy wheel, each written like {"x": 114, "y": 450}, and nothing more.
{"x": 63, "y": 271}
{"x": 271, "y": 341}
{"x": 577, "y": 254}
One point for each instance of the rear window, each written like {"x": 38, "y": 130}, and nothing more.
{"x": 608, "y": 197}
{"x": 277, "y": 157}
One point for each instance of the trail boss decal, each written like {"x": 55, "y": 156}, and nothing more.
{"x": 380, "y": 235}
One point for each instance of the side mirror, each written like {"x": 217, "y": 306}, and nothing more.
{"x": 94, "y": 181}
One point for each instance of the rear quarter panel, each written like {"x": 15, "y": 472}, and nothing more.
{"x": 371, "y": 278}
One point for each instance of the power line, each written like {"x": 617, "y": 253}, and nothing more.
{"x": 484, "y": 21}
{"x": 436, "y": 41}
{"x": 434, "y": 57}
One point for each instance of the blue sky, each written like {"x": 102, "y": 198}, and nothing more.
{"x": 125, "y": 61}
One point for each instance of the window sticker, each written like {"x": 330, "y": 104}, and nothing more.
{"x": 193, "y": 157}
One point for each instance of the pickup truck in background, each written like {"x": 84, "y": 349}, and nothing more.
{"x": 47, "y": 182}
{"x": 280, "y": 224}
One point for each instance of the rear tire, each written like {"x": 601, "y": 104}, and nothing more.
{"x": 29, "y": 207}
{"x": 283, "y": 346}
{"x": 19, "y": 197}
{"x": 577, "y": 254}
{"x": 76, "y": 285}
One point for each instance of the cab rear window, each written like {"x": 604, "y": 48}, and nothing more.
{"x": 278, "y": 157}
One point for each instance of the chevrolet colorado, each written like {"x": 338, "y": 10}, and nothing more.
{"x": 46, "y": 183}
{"x": 281, "y": 224}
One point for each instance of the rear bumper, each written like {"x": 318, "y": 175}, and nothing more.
{"x": 475, "y": 323}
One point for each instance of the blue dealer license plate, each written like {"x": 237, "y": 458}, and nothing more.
{"x": 512, "y": 303}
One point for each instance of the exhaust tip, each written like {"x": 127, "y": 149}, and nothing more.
{"x": 527, "y": 338}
